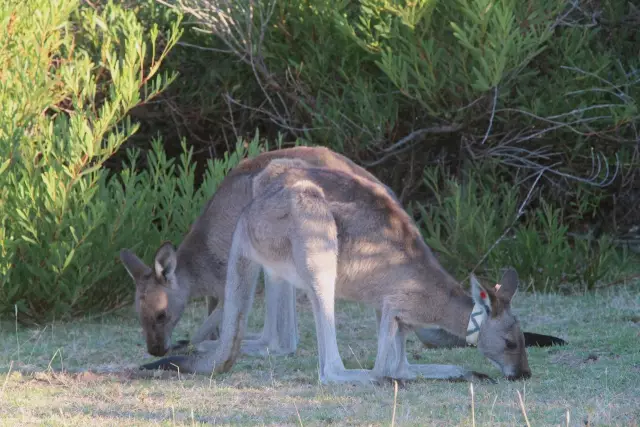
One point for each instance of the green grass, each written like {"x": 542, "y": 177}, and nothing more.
{"x": 593, "y": 380}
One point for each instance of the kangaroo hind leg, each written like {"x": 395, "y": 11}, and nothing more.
{"x": 321, "y": 293}
{"x": 314, "y": 250}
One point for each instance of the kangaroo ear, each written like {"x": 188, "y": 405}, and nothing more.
{"x": 482, "y": 296}
{"x": 508, "y": 286}
{"x": 165, "y": 261}
{"x": 134, "y": 265}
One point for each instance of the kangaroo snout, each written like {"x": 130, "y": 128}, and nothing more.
{"x": 524, "y": 374}
{"x": 156, "y": 350}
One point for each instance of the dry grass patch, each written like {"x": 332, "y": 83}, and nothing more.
{"x": 74, "y": 373}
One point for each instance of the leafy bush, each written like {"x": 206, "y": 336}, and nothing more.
{"x": 392, "y": 84}
{"x": 70, "y": 74}
{"x": 545, "y": 91}
{"x": 148, "y": 206}
{"x": 464, "y": 221}
{"x": 139, "y": 208}
{"x": 479, "y": 226}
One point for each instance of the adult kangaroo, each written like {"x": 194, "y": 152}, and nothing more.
{"x": 198, "y": 268}
{"x": 335, "y": 234}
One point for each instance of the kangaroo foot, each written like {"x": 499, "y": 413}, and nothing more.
{"x": 354, "y": 376}
{"x": 250, "y": 347}
{"x": 449, "y": 373}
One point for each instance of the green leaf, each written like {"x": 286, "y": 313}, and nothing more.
{"x": 68, "y": 259}
{"x": 4, "y": 166}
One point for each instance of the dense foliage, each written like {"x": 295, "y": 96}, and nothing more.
{"x": 510, "y": 129}
{"x": 443, "y": 99}
{"x": 70, "y": 76}
{"x": 530, "y": 86}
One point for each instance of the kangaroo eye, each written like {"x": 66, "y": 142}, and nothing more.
{"x": 161, "y": 317}
{"x": 511, "y": 345}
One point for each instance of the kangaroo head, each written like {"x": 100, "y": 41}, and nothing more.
{"x": 500, "y": 339}
{"x": 160, "y": 299}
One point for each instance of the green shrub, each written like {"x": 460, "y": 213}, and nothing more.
{"x": 464, "y": 220}
{"x": 516, "y": 87}
{"x": 361, "y": 75}
{"x": 139, "y": 208}
{"x": 481, "y": 225}
{"x": 70, "y": 74}
{"x": 148, "y": 206}
{"x": 395, "y": 84}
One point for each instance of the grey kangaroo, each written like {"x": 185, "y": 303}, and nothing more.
{"x": 334, "y": 235}
{"x": 198, "y": 268}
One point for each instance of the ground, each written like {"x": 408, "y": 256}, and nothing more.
{"x": 594, "y": 380}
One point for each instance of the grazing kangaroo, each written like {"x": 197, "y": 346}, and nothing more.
{"x": 335, "y": 234}
{"x": 198, "y": 268}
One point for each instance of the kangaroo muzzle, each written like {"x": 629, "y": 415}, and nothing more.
{"x": 524, "y": 374}
{"x": 157, "y": 350}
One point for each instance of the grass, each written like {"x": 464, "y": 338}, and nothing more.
{"x": 594, "y": 380}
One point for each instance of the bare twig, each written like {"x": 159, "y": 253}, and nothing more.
{"x": 408, "y": 185}
{"x": 205, "y": 48}
{"x": 528, "y": 159}
{"x": 420, "y": 132}
{"x": 403, "y": 145}
{"x": 387, "y": 157}
{"x": 471, "y": 104}
{"x": 493, "y": 113}
{"x": 579, "y": 121}
{"x": 298, "y": 414}
{"x": 242, "y": 26}
{"x": 512, "y": 155}
{"x": 592, "y": 18}
{"x": 574, "y": 112}
{"x": 231, "y": 122}
{"x": 275, "y": 118}
{"x": 518, "y": 215}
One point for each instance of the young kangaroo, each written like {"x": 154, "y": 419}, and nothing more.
{"x": 335, "y": 234}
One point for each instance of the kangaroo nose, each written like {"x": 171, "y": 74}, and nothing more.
{"x": 156, "y": 350}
